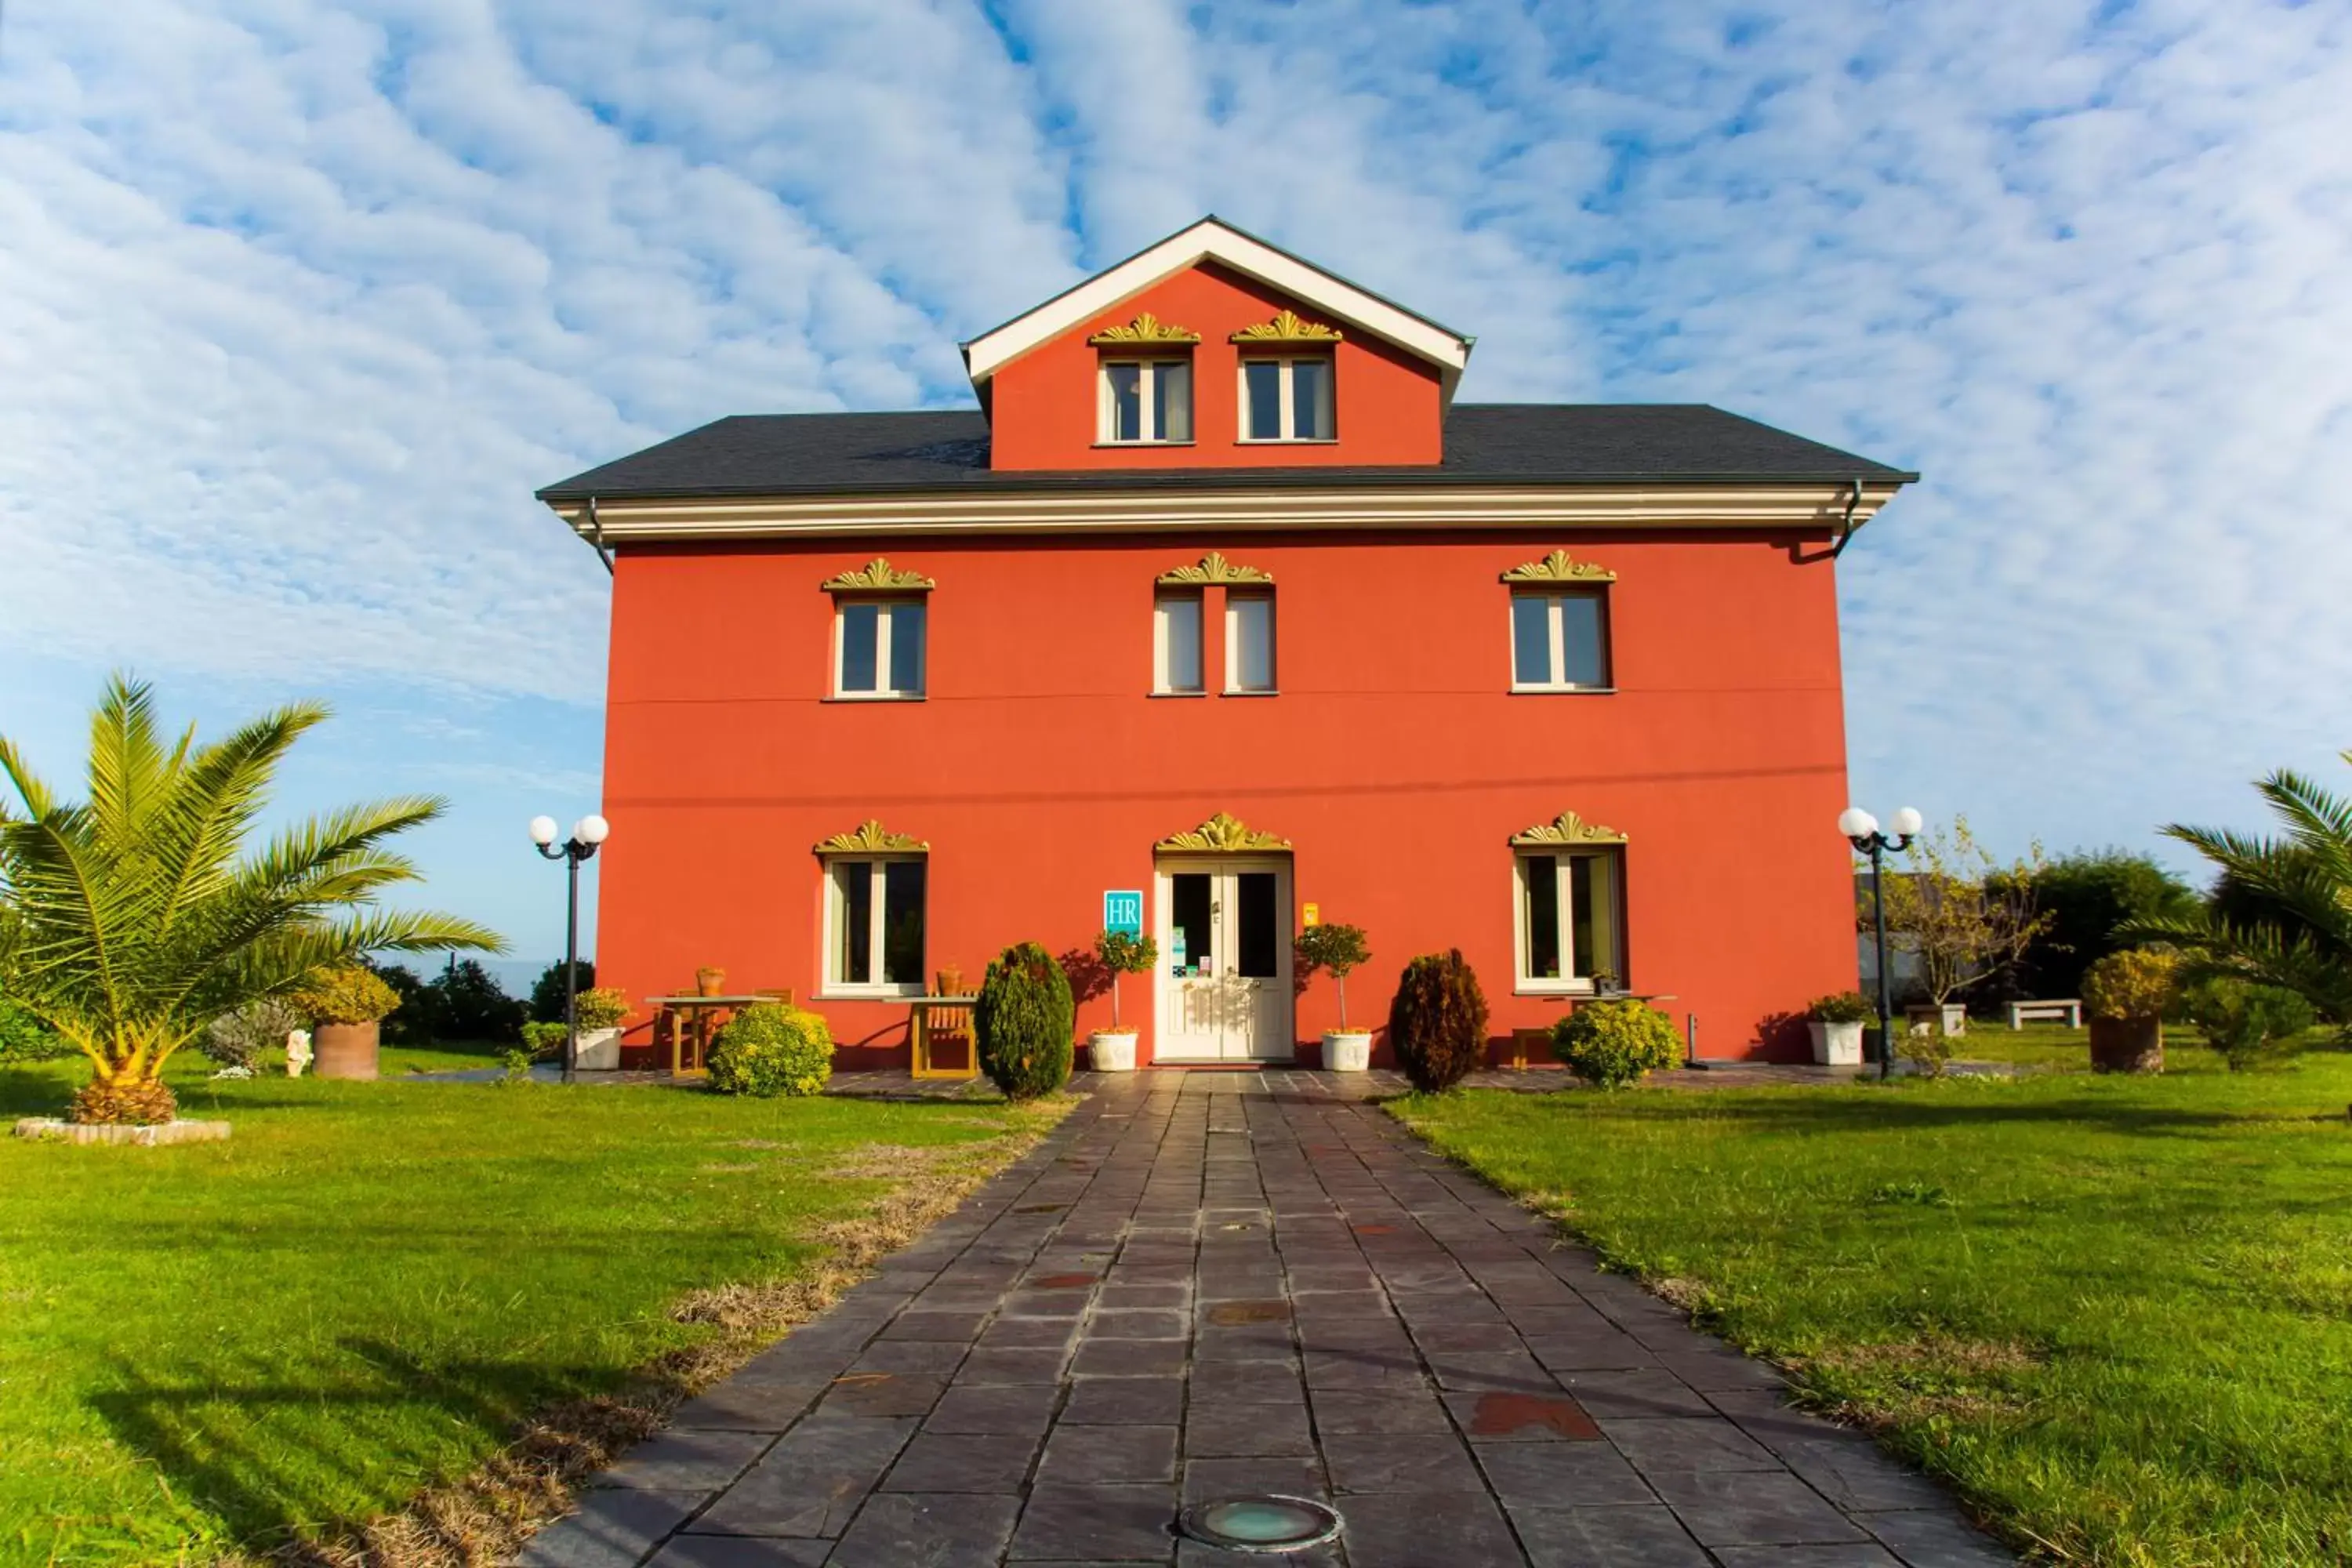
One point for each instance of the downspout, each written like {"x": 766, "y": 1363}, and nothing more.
{"x": 596, "y": 532}
{"x": 1845, "y": 533}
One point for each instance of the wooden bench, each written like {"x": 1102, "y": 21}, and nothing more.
{"x": 2067, "y": 1011}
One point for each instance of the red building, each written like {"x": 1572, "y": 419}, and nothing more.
{"x": 1220, "y": 598}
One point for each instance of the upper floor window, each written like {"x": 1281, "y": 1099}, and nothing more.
{"x": 1559, "y": 641}
{"x": 1249, "y": 642}
{"x": 1176, "y": 642}
{"x": 879, "y": 647}
{"x": 1568, "y": 919}
{"x": 1146, "y": 401}
{"x": 1286, "y": 399}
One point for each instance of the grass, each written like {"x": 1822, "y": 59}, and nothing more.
{"x": 224, "y": 1348}
{"x": 2116, "y": 1313}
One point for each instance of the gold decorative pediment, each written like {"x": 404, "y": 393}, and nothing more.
{"x": 1215, "y": 568}
{"x": 1223, "y": 833}
{"x": 871, "y": 838}
{"x": 1288, "y": 328}
{"x": 1145, "y": 329}
{"x": 1556, "y": 567}
{"x": 1568, "y": 828}
{"x": 878, "y": 576}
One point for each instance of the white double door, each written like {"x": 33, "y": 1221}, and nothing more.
{"x": 1223, "y": 979}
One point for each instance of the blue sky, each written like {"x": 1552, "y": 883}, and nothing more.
{"x": 299, "y": 302}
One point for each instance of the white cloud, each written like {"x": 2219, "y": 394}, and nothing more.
{"x": 300, "y": 302}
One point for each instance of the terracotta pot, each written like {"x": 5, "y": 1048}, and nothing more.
{"x": 344, "y": 1050}
{"x": 951, "y": 980}
{"x": 2127, "y": 1045}
{"x": 711, "y": 981}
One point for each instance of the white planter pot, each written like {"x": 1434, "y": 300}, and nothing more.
{"x": 1837, "y": 1045}
{"x": 599, "y": 1051}
{"x": 1112, "y": 1051}
{"x": 1349, "y": 1050}
{"x": 1952, "y": 1017}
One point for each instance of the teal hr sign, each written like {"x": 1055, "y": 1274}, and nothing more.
{"x": 1123, "y": 912}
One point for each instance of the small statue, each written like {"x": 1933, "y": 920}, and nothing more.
{"x": 298, "y": 1052}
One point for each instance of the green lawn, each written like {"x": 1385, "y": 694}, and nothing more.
{"x": 2115, "y": 1314}
{"x": 371, "y": 1286}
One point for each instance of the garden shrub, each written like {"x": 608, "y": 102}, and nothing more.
{"x": 543, "y": 1041}
{"x": 1024, "y": 1019}
{"x": 1927, "y": 1049}
{"x": 770, "y": 1048}
{"x": 2251, "y": 1025}
{"x": 2138, "y": 983}
{"x": 1611, "y": 1044}
{"x": 238, "y": 1039}
{"x": 1437, "y": 1024}
{"x": 600, "y": 1008}
{"x": 1844, "y": 1007}
{"x": 546, "y": 1002}
{"x": 24, "y": 1038}
{"x": 347, "y": 994}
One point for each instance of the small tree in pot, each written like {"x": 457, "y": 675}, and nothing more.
{"x": 2126, "y": 995}
{"x": 1342, "y": 949}
{"x": 1835, "y": 1024}
{"x": 1437, "y": 1024}
{"x": 1119, "y": 952}
{"x": 344, "y": 1005}
{"x": 1024, "y": 1019}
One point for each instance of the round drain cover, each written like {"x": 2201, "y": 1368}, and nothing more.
{"x": 1259, "y": 1523}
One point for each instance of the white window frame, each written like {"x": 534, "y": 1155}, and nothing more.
{"x": 1327, "y": 403}
{"x": 836, "y": 904}
{"x": 1160, "y": 684}
{"x": 1233, "y": 687}
{"x": 886, "y": 684}
{"x": 1557, "y": 622}
{"x": 1566, "y": 982}
{"x": 1105, "y": 410}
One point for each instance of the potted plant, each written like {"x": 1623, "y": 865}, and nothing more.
{"x": 710, "y": 981}
{"x": 598, "y": 1014}
{"x": 1119, "y": 952}
{"x": 1835, "y": 1022}
{"x": 1342, "y": 948}
{"x": 2126, "y": 995}
{"x": 346, "y": 1005}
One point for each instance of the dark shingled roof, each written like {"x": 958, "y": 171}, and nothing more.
{"x": 1492, "y": 443}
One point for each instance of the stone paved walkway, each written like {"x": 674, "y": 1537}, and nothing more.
{"x": 1205, "y": 1284}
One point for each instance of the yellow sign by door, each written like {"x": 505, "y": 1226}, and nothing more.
{"x": 1311, "y": 914}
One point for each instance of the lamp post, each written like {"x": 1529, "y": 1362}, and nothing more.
{"x": 1861, "y": 830}
{"x": 586, "y": 835}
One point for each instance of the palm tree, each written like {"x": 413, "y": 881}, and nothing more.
{"x": 136, "y": 918}
{"x": 2286, "y": 918}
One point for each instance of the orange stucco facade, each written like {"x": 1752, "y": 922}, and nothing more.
{"x": 1387, "y": 774}
{"x": 1041, "y": 772}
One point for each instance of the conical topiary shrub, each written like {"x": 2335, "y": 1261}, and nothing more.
{"x": 1437, "y": 1024}
{"x": 1024, "y": 1019}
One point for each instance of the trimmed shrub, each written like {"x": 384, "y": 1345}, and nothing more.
{"x": 768, "y": 1049}
{"x": 1437, "y": 1024}
{"x": 2251, "y": 1025}
{"x": 24, "y": 1038}
{"x": 2138, "y": 983}
{"x": 1611, "y": 1044}
{"x": 238, "y": 1039}
{"x": 599, "y": 1007}
{"x": 1845, "y": 1007}
{"x": 1024, "y": 1019}
{"x": 347, "y": 994}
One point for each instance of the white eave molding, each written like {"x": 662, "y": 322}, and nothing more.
{"x": 1211, "y": 239}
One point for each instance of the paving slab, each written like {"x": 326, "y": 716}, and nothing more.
{"x": 1222, "y": 1283}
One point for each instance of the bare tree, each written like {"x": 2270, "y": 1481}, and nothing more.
{"x": 1960, "y": 914}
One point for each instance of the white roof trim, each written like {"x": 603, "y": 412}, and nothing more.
{"x": 1209, "y": 238}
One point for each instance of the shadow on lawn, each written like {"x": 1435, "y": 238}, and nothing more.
{"x": 280, "y": 1460}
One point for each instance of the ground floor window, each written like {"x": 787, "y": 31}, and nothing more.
{"x": 873, "y": 925}
{"x": 1568, "y": 919}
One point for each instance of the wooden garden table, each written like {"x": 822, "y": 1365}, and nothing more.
{"x": 930, "y": 1019}
{"x": 690, "y": 1016}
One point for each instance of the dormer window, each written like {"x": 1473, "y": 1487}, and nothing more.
{"x": 1286, "y": 399}
{"x": 1146, "y": 402}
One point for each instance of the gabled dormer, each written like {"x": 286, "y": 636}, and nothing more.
{"x": 1215, "y": 349}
